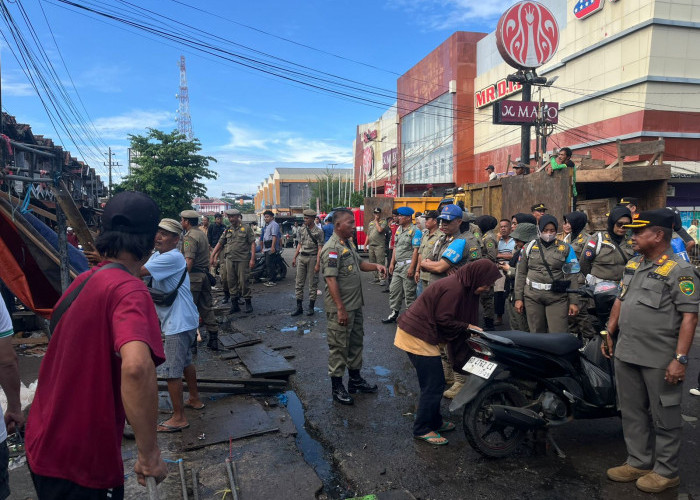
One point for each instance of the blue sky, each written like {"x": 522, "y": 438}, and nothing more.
{"x": 251, "y": 122}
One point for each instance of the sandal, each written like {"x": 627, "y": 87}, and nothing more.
{"x": 447, "y": 427}
{"x": 435, "y": 440}
{"x": 187, "y": 405}
{"x": 170, "y": 428}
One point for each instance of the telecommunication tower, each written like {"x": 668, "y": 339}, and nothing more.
{"x": 184, "y": 121}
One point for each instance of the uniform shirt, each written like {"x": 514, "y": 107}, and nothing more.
{"x": 6, "y": 330}
{"x": 531, "y": 266}
{"x": 236, "y": 242}
{"x": 166, "y": 270}
{"x": 654, "y": 295}
{"x": 602, "y": 257}
{"x": 456, "y": 250}
{"x": 425, "y": 250}
{"x": 341, "y": 261}
{"x": 271, "y": 229}
{"x": 196, "y": 247}
{"x": 578, "y": 243}
{"x": 406, "y": 240}
{"x": 489, "y": 246}
{"x": 374, "y": 237}
{"x": 310, "y": 239}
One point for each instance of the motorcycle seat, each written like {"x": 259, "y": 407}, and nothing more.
{"x": 558, "y": 344}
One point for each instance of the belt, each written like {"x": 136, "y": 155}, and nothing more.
{"x": 538, "y": 286}
{"x": 307, "y": 254}
{"x": 403, "y": 262}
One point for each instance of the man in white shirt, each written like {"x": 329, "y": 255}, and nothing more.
{"x": 491, "y": 171}
{"x": 10, "y": 383}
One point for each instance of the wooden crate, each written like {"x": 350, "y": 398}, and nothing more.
{"x": 597, "y": 211}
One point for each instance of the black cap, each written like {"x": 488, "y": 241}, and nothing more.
{"x": 490, "y": 167}
{"x": 663, "y": 217}
{"x": 629, "y": 200}
{"x": 395, "y": 211}
{"x": 131, "y": 212}
{"x": 539, "y": 207}
{"x": 431, "y": 214}
{"x": 377, "y": 210}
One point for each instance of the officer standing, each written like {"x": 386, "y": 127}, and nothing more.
{"x": 606, "y": 252}
{"x": 489, "y": 249}
{"x": 524, "y": 233}
{"x": 403, "y": 263}
{"x": 547, "y": 268}
{"x": 430, "y": 237}
{"x": 195, "y": 248}
{"x": 577, "y": 237}
{"x": 538, "y": 210}
{"x": 341, "y": 266}
{"x": 238, "y": 242}
{"x": 656, "y": 314}
{"x": 307, "y": 260}
{"x": 213, "y": 235}
{"x": 376, "y": 238}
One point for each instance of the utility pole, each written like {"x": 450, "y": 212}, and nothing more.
{"x": 110, "y": 164}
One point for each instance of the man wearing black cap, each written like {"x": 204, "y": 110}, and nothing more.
{"x": 656, "y": 314}
{"x": 376, "y": 231}
{"x": 491, "y": 173}
{"x": 101, "y": 366}
{"x": 538, "y": 210}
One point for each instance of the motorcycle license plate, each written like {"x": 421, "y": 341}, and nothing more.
{"x": 480, "y": 367}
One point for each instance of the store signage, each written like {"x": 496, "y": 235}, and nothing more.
{"x": 524, "y": 112}
{"x": 585, "y": 8}
{"x": 494, "y": 92}
{"x": 370, "y": 135}
{"x": 390, "y": 158}
{"x": 527, "y": 35}
{"x": 367, "y": 160}
{"x": 390, "y": 189}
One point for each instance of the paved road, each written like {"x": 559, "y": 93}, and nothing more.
{"x": 371, "y": 442}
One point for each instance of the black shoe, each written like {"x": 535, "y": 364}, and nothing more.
{"x": 241, "y": 302}
{"x": 213, "y": 342}
{"x": 385, "y": 291}
{"x": 360, "y": 385}
{"x": 234, "y": 306}
{"x": 248, "y": 306}
{"x": 341, "y": 395}
{"x": 226, "y": 298}
{"x": 311, "y": 312}
{"x": 392, "y": 317}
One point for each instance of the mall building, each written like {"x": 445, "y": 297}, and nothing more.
{"x": 627, "y": 70}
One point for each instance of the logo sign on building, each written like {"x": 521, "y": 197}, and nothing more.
{"x": 585, "y": 8}
{"x": 524, "y": 113}
{"x": 494, "y": 92}
{"x": 370, "y": 135}
{"x": 390, "y": 158}
{"x": 390, "y": 189}
{"x": 367, "y": 160}
{"x": 527, "y": 35}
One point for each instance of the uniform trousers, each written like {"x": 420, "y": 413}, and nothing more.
{"x": 377, "y": 255}
{"x": 237, "y": 274}
{"x": 547, "y": 312}
{"x": 306, "y": 274}
{"x": 201, "y": 295}
{"x": 345, "y": 343}
{"x": 653, "y": 441}
{"x": 487, "y": 305}
{"x": 431, "y": 380}
{"x": 516, "y": 320}
{"x": 582, "y": 322}
{"x": 222, "y": 272}
{"x": 402, "y": 288}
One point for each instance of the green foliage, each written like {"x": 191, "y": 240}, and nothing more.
{"x": 333, "y": 191}
{"x": 169, "y": 170}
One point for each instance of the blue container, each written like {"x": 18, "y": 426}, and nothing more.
{"x": 679, "y": 248}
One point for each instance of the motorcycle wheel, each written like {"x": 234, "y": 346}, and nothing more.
{"x": 488, "y": 437}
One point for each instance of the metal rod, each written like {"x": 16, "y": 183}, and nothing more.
{"x": 12, "y": 177}
{"x": 62, "y": 247}
{"x": 24, "y": 147}
{"x": 152, "y": 488}
{"x": 195, "y": 490}
{"x": 232, "y": 482}
{"x": 183, "y": 482}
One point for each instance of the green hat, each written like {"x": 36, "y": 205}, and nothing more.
{"x": 524, "y": 232}
{"x": 232, "y": 211}
{"x": 189, "y": 214}
{"x": 309, "y": 213}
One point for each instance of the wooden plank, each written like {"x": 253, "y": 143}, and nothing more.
{"x": 520, "y": 192}
{"x": 261, "y": 361}
{"x": 591, "y": 164}
{"x": 627, "y": 173}
{"x": 35, "y": 209}
{"x": 606, "y": 175}
{"x": 75, "y": 220}
{"x": 30, "y": 341}
{"x": 225, "y": 419}
{"x": 237, "y": 340}
{"x": 596, "y": 210}
{"x": 641, "y": 148}
{"x": 252, "y": 382}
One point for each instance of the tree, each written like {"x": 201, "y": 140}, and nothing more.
{"x": 169, "y": 170}
{"x": 333, "y": 191}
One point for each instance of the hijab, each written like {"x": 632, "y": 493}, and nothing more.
{"x": 615, "y": 215}
{"x": 578, "y": 221}
{"x": 521, "y": 218}
{"x": 486, "y": 223}
{"x": 544, "y": 220}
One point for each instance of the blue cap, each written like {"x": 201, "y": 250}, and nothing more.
{"x": 405, "y": 211}
{"x": 450, "y": 212}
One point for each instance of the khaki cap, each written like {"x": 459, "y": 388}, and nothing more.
{"x": 170, "y": 225}
{"x": 232, "y": 211}
{"x": 189, "y": 214}
{"x": 309, "y": 213}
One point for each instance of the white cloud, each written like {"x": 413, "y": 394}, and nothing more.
{"x": 102, "y": 78}
{"x": 133, "y": 122}
{"x": 452, "y": 14}
{"x": 16, "y": 89}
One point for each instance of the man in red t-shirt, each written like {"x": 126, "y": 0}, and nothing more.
{"x": 99, "y": 368}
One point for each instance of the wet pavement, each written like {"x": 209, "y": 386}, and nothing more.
{"x": 326, "y": 450}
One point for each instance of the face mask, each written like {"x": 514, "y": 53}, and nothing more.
{"x": 548, "y": 237}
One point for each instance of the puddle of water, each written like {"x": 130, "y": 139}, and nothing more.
{"x": 391, "y": 390}
{"x": 307, "y": 331}
{"x": 289, "y": 329}
{"x": 381, "y": 371}
{"x": 313, "y": 451}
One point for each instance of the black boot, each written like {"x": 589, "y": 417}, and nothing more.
{"x": 248, "y": 306}
{"x": 339, "y": 393}
{"x": 234, "y": 306}
{"x": 227, "y": 297}
{"x": 312, "y": 303}
{"x": 213, "y": 342}
{"x": 358, "y": 384}
{"x": 392, "y": 317}
{"x": 488, "y": 324}
{"x": 299, "y": 310}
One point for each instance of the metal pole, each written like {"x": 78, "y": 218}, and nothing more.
{"x": 231, "y": 480}
{"x": 61, "y": 233}
{"x": 525, "y": 129}
{"x": 183, "y": 483}
{"x": 152, "y": 488}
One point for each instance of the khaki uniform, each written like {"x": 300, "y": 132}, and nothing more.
{"x": 455, "y": 252}
{"x": 489, "y": 248}
{"x": 196, "y": 247}
{"x": 236, "y": 242}
{"x": 654, "y": 297}
{"x": 309, "y": 239}
{"x": 425, "y": 250}
{"x": 341, "y": 261}
{"x": 403, "y": 286}
{"x": 583, "y": 322}
{"x": 547, "y": 311}
{"x": 604, "y": 260}
{"x": 376, "y": 244}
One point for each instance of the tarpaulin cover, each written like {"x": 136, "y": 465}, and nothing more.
{"x": 77, "y": 259}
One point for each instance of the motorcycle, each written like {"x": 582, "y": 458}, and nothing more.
{"x": 279, "y": 265}
{"x": 520, "y": 382}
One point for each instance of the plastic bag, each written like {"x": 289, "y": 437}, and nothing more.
{"x": 601, "y": 383}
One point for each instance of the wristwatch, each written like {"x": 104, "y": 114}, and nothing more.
{"x": 681, "y": 358}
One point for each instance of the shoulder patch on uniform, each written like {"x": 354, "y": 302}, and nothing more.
{"x": 687, "y": 286}
{"x": 580, "y": 238}
{"x": 632, "y": 264}
{"x": 187, "y": 243}
{"x": 588, "y": 254}
{"x": 535, "y": 247}
{"x": 332, "y": 259}
{"x": 630, "y": 242}
{"x": 345, "y": 250}
{"x": 242, "y": 229}
{"x": 665, "y": 268}
{"x": 661, "y": 260}
{"x": 591, "y": 243}
{"x": 489, "y": 244}
{"x": 561, "y": 248}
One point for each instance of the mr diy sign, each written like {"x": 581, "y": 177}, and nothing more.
{"x": 524, "y": 112}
